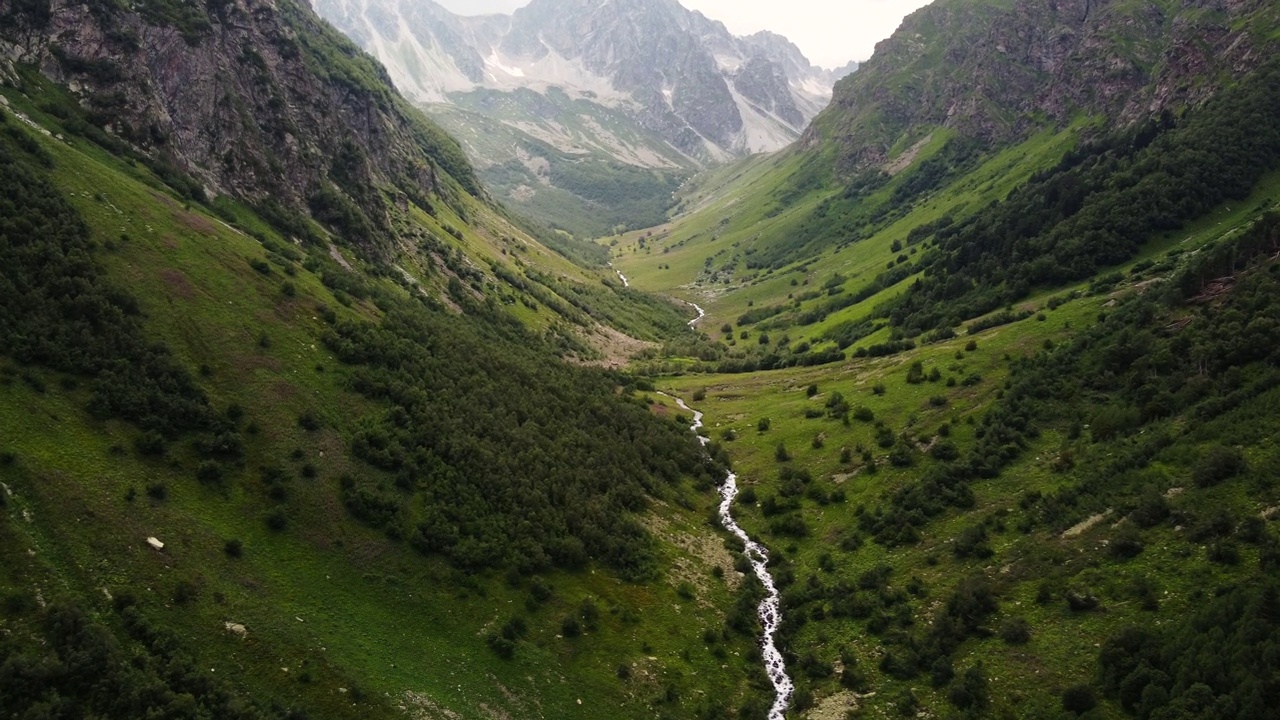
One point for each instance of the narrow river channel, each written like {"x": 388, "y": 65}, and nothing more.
{"x": 770, "y": 608}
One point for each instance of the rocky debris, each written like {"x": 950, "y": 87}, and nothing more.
{"x": 155, "y": 543}
{"x": 236, "y": 629}
{"x": 1086, "y": 525}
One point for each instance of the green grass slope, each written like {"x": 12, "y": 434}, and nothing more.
{"x": 1039, "y": 481}
{"x": 320, "y": 444}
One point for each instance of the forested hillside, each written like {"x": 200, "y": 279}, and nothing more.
{"x": 296, "y": 423}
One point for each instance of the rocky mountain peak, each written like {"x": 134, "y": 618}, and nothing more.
{"x": 684, "y": 77}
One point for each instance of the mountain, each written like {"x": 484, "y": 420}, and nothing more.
{"x": 993, "y": 351}
{"x": 239, "y": 108}
{"x": 618, "y": 86}
{"x": 298, "y": 423}
{"x": 997, "y": 71}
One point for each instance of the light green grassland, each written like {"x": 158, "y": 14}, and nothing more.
{"x": 744, "y": 199}
{"x": 328, "y": 603}
{"x": 1024, "y": 679}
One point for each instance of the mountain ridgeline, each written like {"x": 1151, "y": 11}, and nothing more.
{"x": 298, "y": 421}
{"x": 631, "y": 96}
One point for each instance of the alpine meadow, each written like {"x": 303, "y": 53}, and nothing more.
{"x": 592, "y": 361}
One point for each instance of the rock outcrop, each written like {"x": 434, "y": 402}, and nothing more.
{"x": 259, "y": 99}
{"x": 994, "y": 72}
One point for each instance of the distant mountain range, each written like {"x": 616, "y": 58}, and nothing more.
{"x": 623, "y": 84}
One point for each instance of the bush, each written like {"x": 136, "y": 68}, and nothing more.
{"x": 763, "y": 425}
{"x": 1126, "y": 544}
{"x": 158, "y": 492}
{"x": 150, "y": 444}
{"x": 1079, "y": 699}
{"x": 308, "y": 421}
{"x": 1015, "y": 631}
{"x": 209, "y": 472}
{"x": 277, "y": 520}
{"x": 233, "y": 548}
{"x": 1219, "y": 464}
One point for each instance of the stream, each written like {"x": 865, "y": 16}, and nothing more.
{"x": 701, "y": 314}
{"x": 770, "y": 608}
{"x": 621, "y": 277}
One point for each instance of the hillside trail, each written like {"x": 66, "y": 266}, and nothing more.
{"x": 770, "y": 610}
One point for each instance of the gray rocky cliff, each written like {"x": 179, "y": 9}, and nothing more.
{"x": 258, "y": 99}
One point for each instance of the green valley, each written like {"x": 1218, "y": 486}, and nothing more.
{"x": 300, "y": 417}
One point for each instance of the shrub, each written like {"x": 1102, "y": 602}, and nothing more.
{"x": 150, "y": 444}
{"x": 277, "y": 520}
{"x": 209, "y": 472}
{"x": 1079, "y": 699}
{"x": 1126, "y": 544}
{"x": 1219, "y": 464}
{"x": 763, "y": 425}
{"x": 184, "y": 592}
{"x": 158, "y": 492}
{"x": 233, "y": 548}
{"x": 1015, "y": 631}
{"x": 308, "y": 421}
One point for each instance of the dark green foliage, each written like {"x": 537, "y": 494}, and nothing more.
{"x": 1079, "y": 699}
{"x": 514, "y": 458}
{"x": 81, "y": 670}
{"x": 56, "y": 310}
{"x": 1218, "y": 663}
{"x": 1100, "y": 205}
{"x": 1218, "y": 464}
{"x": 1015, "y": 631}
{"x": 233, "y": 548}
{"x": 971, "y": 693}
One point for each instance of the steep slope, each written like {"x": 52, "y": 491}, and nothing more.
{"x": 995, "y": 72}
{"x": 257, "y": 100}
{"x": 999, "y": 386}
{"x": 256, "y": 463}
{"x": 1002, "y": 394}
{"x": 614, "y": 86}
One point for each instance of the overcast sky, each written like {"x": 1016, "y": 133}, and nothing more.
{"x": 830, "y": 32}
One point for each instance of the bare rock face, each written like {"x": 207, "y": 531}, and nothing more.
{"x": 995, "y": 72}
{"x": 683, "y": 77}
{"x": 258, "y": 99}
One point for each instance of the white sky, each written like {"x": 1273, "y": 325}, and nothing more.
{"x": 830, "y": 32}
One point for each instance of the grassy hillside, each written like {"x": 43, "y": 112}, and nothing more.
{"x": 300, "y": 429}
{"x": 1032, "y": 506}
{"x": 586, "y": 174}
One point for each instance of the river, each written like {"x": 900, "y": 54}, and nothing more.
{"x": 770, "y": 608}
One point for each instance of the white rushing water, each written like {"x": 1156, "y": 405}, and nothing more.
{"x": 621, "y": 277}
{"x": 701, "y": 314}
{"x": 770, "y": 608}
